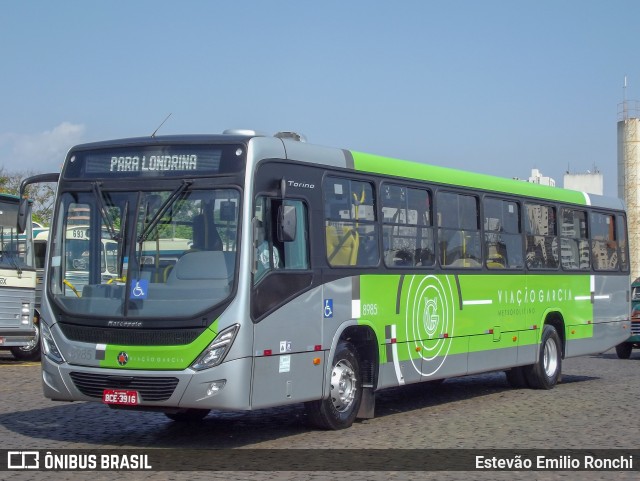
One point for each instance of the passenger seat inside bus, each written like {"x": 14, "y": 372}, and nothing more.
{"x": 342, "y": 245}
{"x": 205, "y": 239}
{"x": 200, "y": 269}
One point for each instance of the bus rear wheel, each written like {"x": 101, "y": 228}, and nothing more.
{"x": 545, "y": 373}
{"x": 339, "y": 410}
{"x": 623, "y": 350}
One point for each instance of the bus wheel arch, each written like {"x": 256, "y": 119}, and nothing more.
{"x": 556, "y": 320}
{"x": 351, "y": 380}
{"x": 364, "y": 340}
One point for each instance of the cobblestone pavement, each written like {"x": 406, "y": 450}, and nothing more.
{"x": 595, "y": 407}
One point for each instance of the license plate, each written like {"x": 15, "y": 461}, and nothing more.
{"x": 115, "y": 396}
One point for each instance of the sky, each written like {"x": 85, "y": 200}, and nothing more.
{"x": 492, "y": 86}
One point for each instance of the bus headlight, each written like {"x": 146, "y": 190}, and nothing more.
{"x": 214, "y": 354}
{"x": 49, "y": 346}
{"x": 25, "y": 313}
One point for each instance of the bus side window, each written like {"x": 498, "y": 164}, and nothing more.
{"x": 542, "y": 250}
{"x": 604, "y": 248}
{"x": 458, "y": 230}
{"x": 502, "y": 236}
{"x": 408, "y": 238}
{"x": 351, "y": 231}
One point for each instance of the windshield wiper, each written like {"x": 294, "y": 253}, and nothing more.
{"x": 14, "y": 262}
{"x": 104, "y": 212}
{"x": 162, "y": 209}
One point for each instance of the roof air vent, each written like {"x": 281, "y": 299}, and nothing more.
{"x": 291, "y": 136}
{"x": 252, "y": 133}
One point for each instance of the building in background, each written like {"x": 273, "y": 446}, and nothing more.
{"x": 591, "y": 182}
{"x": 628, "y": 166}
{"x": 538, "y": 178}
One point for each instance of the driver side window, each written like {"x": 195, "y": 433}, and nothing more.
{"x": 270, "y": 253}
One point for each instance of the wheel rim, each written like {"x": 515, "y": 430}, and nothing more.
{"x": 343, "y": 386}
{"x": 550, "y": 358}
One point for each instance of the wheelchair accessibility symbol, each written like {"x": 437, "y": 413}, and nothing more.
{"x": 328, "y": 308}
{"x": 139, "y": 288}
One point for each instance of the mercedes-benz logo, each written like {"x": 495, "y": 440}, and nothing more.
{"x": 123, "y": 358}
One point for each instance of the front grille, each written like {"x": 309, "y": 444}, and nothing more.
{"x": 11, "y": 300}
{"x": 130, "y": 337}
{"x": 149, "y": 388}
{"x": 635, "y": 328}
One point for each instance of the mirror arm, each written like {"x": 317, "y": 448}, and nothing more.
{"x": 24, "y": 206}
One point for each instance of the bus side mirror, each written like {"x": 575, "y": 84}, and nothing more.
{"x": 23, "y": 214}
{"x": 287, "y": 222}
{"x": 25, "y": 204}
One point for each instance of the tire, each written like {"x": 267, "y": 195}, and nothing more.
{"x": 546, "y": 373}
{"x": 623, "y": 350}
{"x": 188, "y": 415}
{"x": 30, "y": 352}
{"x": 339, "y": 410}
{"x": 516, "y": 377}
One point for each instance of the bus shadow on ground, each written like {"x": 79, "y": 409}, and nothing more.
{"x": 7, "y": 359}
{"x": 635, "y": 356}
{"x": 89, "y": 425}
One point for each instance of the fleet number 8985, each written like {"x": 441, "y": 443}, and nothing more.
{"x": 369, "y": 309}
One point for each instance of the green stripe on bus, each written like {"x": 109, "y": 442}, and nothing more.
{"x": 430, "y": 173}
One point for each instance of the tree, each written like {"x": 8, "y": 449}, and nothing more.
{"x": 42, "y": 195}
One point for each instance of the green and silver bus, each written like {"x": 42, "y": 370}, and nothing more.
{"x": 315, "y": 275}
{"x": 18, "y": 331}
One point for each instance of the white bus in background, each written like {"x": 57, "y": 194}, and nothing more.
{"x": 160, "y": 252}
{"x": 18, "y": 331}
{"x": 77, "y": 248}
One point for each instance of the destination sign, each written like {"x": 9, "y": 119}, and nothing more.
{"x": 155, "y": 161}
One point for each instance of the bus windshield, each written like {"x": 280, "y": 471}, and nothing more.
{"x": 163, "y": 253}
{"x": 16, "y": 251}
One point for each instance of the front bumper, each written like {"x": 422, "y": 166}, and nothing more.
{"x": 17, "y": 337}
{"x": 162, "y": 389}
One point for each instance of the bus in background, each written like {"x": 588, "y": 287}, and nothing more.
{"x": 18, "y": 331}
{"x": 40, "y": 235}
{"x": 161, "y": 252}
{"x": 314, "y": 275}
{"x": 623, "y": 350}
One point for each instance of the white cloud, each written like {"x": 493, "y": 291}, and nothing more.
{"x": 41, "y": 152}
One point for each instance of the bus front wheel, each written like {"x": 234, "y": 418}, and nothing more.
{"x": 545, "y": 373}
{"x": 30, "y": 352}
{"x": 623, "y": 350}
{"x": 339, "y": 410}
